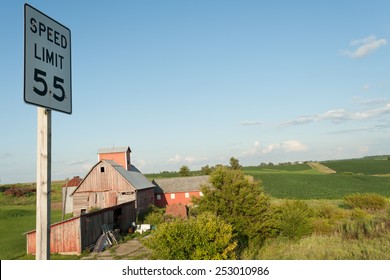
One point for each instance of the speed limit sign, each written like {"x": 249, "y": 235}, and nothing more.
{"x": 47, "y": 62}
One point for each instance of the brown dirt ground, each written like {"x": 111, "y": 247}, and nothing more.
{"x": 130, "y": 250}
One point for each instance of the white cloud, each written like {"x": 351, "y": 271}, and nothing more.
{"x": 366, "y": 87}
{"x": 288, "y": 146}
{"x": 178, "y": 159}
{"x": 247, "y": 123}
{"x": 363, "y": 47}
{"x": 175, "y": 159}
{"x": 340, "y": 115}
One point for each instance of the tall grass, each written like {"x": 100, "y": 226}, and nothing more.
{"x": 18, "y": 216}
{"x": 323, "y": 247}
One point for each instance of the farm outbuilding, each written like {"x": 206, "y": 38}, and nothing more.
{"x": 108, "y": 184}
{"x": 178, "y": 190}
{"x": 74, "y": 235}
{"x": 67, "y": 189}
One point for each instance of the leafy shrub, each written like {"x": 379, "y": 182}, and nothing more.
{"x": 369, "y": 201}
{"x": 20, "y": 191}
{"x": 205, "y": 237}
{"x": 322, "y": 226}
{"x": 293, "y": 219}
{"x": 362, "y": 224}
{"x": 155, "y": 216}
{"x": 240, "y": 202}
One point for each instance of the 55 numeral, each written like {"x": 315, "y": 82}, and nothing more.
{"x": 39, "y": 77}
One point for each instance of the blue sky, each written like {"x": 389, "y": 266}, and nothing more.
{"x": 197, "y": 82}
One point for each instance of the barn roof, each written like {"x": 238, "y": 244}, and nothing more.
{"x": 113, "y": 150}
{"x": 180, "y": 184}
{"x": 74, "y": 182}
{"x": 133, "y": 176}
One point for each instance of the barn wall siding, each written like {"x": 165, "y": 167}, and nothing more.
{"x": 75, "y": 235}
{"x": 144, "y": 199}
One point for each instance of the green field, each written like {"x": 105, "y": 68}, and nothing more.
{"x": 18, "y": 216}
{"x": 367, "y": 166}
{"x": 302, "y": 182}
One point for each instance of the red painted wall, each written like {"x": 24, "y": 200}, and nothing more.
{"x": 179, "y": 198}
{"x": 120, "y": 158}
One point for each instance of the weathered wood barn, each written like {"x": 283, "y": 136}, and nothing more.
{"x": 74, "y": 235}
{"x": 112, "y": 193}
{"x": 108, "y": 184}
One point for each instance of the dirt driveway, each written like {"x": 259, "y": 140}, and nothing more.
{"x": 130, "y": 250}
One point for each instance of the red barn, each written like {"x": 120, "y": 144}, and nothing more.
{"x": 179, "y": 190}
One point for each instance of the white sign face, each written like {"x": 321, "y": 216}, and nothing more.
{"x": 47, "y": 62}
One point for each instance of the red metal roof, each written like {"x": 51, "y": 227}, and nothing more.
{"x": 74, "y": 182}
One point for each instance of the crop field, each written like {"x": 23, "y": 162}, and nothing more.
{"x": 302, "y": 182}
{"x": 360, "y": 166}
{"x": 314, "y": 186}
{"x": 281, "y": 169}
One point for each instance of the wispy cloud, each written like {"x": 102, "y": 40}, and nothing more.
{"x": 5, "y": 155}
{"x": 288, "y": 146}
{"x": 362, "y": 47}
{"x": 178, "y": 159}
{"x": 340, "y": 115}
{"x": 79, "y": 162}
{"x": 249, "y": 123}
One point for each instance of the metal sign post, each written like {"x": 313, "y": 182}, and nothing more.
{"x": 47, "y": 84}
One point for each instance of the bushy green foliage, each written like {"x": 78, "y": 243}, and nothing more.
{"x": 326, "y": 217}
{"x": 205, "y": 237}
{"x": 184, "y": 171}
{"x": 235, "y": 163}
{"x": 293, "y": 219}
{"x": 369, "y": 201}
{"x": 239, "y": 201}
{"x": 155, "y": 216}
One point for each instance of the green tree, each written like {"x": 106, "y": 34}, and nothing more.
{"x": 234, "y": 163}
{"x": 205, "y": 237}
{"x": 240, "y": 202}
{"x": 184, "y": 171}
{"x": 206, "y": 170}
